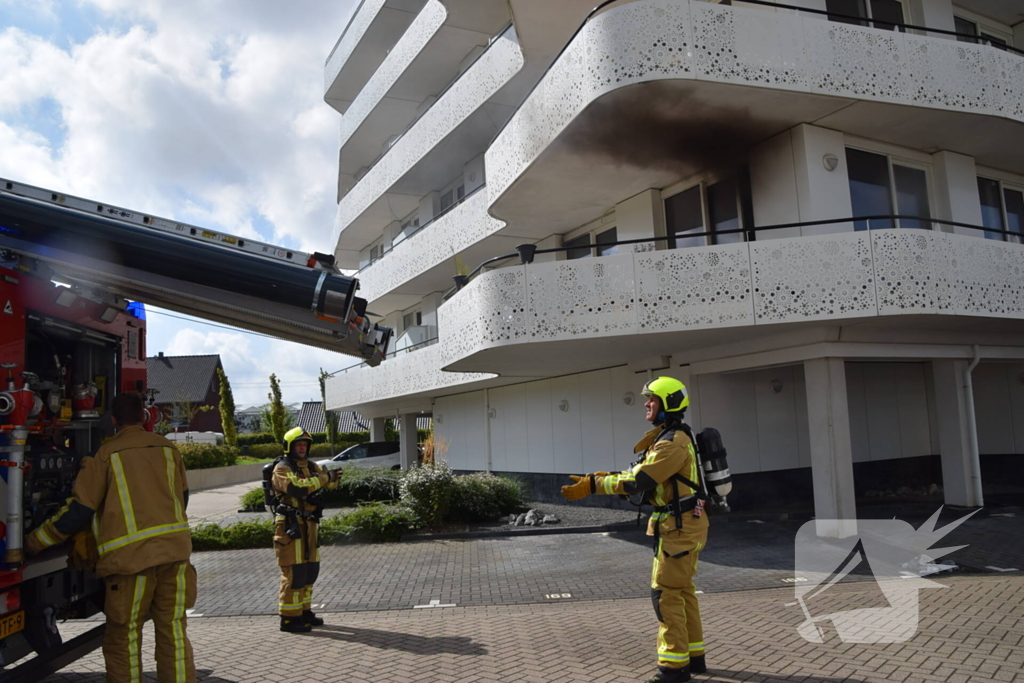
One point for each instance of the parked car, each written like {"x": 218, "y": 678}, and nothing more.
{"x": 372, "y": 454}
{"x": 215, "y": 438}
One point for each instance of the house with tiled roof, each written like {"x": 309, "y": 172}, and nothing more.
{"x": 182, "y": 382}
{"x": 311, "y": 418}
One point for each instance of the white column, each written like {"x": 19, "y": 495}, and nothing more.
{"x": 377, "y": 429}
{"x": 954, "y": 445}
{"x": 956, "y": 196}
{"x": 640, "y": 216}
{"x": 408, "y": 441}
{"x": 822, "y": 194}
{"x": 831, "y": 448}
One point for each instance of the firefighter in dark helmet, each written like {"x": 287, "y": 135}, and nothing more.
{"x": 296, "y": 481}
{"x": 666, "y": 473}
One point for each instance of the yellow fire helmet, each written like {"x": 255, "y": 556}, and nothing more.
{"x": 293, "y": 435}
{"x": 672, "y": 392}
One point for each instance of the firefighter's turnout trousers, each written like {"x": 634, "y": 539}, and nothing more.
{"x": 298, "y": 558}
{"x": 163, "y": 592}
{"x": 678, "y": 539}
{"x": 134, "y": 494}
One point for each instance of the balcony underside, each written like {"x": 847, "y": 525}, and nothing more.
{"x": 572, "y": 316}
{"x": 374, "y": 30}
{"x": 652, "y": 134}
{"x": 420, "y": 66}
{"x": 655, "y": 90}
{"x": 430, "y": 172}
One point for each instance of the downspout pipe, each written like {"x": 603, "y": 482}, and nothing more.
{"x": 487, "y": 426}
{"x": 972, "y": 428}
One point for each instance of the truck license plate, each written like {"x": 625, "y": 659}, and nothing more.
{"x": 11, "y": 624}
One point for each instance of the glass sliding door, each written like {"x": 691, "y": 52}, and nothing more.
{"x": 991, "y": 207}
{"x": 870, "y": 192}
{"x": 1014, "y": 213}
{"x": 684, "y": 215}
{"x": 724, "y": 212}
{"x": 911, "y": 196}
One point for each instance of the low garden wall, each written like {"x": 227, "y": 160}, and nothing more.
{"x": 213, "y": 477}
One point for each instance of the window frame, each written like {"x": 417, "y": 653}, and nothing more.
{"x": 705, "y": 208}
{"x": 1003, "y": 186}
{"x": 983, "y": 25}
{"x": 898, "y": 160}
{"x": 869, "y": 22}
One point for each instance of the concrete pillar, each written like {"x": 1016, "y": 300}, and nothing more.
{"x": 640, "y": 216}
{"x": 408, "y": 441}
{"x": 377, "y": 429}
{"x": 821, "y": 193}
{"x": 956, "y": 191}
{"x": 828, "y": 417}
{"x": 773, "y": 186}
{"x": 954, "y": 444}
{"x": 933, "y": 14}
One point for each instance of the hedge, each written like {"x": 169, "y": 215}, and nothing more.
{"x": 201, "y": 456}
{"x": 356, "y": 485}
{"x": 258, "y": 438}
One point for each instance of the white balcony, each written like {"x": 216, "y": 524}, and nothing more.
{"x": 454, "y": 130}
{"x": 373, "y": 30}
{"x": 424, "y": 262}
{"x": 429, "y": 55}
{"x": 402, "y": 383}
{"x": 547, "y": 319}
{"x": 655, "y": 90}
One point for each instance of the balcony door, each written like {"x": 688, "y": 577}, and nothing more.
{"x": 719, "y": 208}
{"x": 881, "y": 14}
{"x": 1002, "y": 208}
{"x": 879, "y": 184}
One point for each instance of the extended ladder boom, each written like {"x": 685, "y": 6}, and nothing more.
{"x": 256, "y": 286}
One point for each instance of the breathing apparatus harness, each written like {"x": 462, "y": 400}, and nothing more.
{"x": 274, "y": 499}
{"x": 712, "y": 467}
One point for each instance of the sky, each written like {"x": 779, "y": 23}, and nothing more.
{"x": 208, "y": 112}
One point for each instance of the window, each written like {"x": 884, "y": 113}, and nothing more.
{"x": 452, "y": 196}
{"x": 376, "y": 251}
{"x": 719, "y": 207}
{"x": 604, "y": 238}
{"x": 1002, "y": 208}
{"x": 412, "y": 319}
{"x": 999, "y": 36}
{"x": 877, "y": 184}
{"x": 882, "y": 14}
{"x": 581, "y": 247}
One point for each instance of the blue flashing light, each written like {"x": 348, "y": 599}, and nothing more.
{"x": 137, "y": 309}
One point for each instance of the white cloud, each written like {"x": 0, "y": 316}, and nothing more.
{"x": 206, "y": 112}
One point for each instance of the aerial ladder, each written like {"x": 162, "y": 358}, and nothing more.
{"x": 75, "y": 275}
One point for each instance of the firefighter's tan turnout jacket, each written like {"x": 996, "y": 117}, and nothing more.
{"x": 134, "y": 493}
{"x": 295, "y": 487}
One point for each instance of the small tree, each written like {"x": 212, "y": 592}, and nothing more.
{"x": 227, "y": 410}
{"x": 330, "y": 419}
{"x": 185, "y": 411}
{"x": 278, "y": 416}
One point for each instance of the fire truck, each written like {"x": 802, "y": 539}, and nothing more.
{"x": 75, "y": 276}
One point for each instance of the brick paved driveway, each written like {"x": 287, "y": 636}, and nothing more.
{"x": 971, "y": 631}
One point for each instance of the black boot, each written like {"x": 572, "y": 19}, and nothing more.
{"x": 295, "y": 625}
{"x": 308, "y": 617}
{"x": 666, "y": 675}
{"x": 697, "y": 665}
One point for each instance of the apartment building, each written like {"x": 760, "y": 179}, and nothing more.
{"x": 811, "y": 212}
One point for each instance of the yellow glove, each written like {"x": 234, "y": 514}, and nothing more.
{"x": 582, "y": 487}
{"x": 84, "y": 553}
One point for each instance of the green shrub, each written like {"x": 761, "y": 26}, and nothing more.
{"x": 364, "y": 485}
{"x": 481, "y": 496}
{"x": 238, "y": 536}
{"x": 201, "y": 456}
{"x": 255, "y": 438}
{"x": 428, "y": 489}
{"x": 321, "y": 451}
{"x": 374, "y": 523}
{"x": 252, "y": 500}
{"x": 266, "y": 450}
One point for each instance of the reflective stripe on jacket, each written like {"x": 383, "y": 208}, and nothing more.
{"x": 134, "y": 491}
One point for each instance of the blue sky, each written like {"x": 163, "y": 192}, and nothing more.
{"x": 208, "y": 112}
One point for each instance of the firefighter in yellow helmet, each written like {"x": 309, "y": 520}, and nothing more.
{"x": 134, "y": 494}
{"x": 666, "y": 473}
{"x": 296, "y": 480}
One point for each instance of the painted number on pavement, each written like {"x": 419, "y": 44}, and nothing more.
{"x": 557, "y": 596}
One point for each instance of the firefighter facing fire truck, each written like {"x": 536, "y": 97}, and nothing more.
{"x": 134, "y": 493}
{"x": 666, "y": 473}
{"x": 296, "y": 483}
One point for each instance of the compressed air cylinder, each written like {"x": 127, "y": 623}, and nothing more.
{"x": 716, "y": 467}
